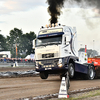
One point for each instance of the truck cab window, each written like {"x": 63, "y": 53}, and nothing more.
{"x": 49, "y": 40}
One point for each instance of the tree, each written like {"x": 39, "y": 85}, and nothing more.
{"x": 28, "y": 38}
{"x": 90, "y": 52}
{"x": 13, "y": 40}
{"x": 23, "y": 41}
{"x": 3, "y": 45}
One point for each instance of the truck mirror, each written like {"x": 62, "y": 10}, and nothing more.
{"x": 34, "y": 44}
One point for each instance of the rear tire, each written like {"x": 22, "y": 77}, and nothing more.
{"x": 71, "y": 70}
{"x": 91, "y": 73}
{"x": 43, "y": 75}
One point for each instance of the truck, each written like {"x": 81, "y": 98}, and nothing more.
{"x": 56, "y": 52}
{"x": 96, "y": 62}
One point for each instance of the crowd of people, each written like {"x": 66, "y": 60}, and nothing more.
{"x": 19, "y": 60}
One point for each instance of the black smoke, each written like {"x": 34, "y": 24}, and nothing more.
{"x": 54, "y": 9}
{"x": 86, "y": 3}
{"x": 55, "y": 6}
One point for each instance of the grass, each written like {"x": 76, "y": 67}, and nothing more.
{"x": 85, "y": 95}
{"x": 81, "y": 96}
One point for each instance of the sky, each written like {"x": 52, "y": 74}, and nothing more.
{"x": 30, "y": 15}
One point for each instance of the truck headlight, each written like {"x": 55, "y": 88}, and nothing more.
{"x": 60, "y": 63}
{"x": 37, "y": 67}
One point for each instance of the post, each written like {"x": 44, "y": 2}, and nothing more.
{"x": 16, "y": 51}
{"x": 93, "y": 47}
{"x": 93, "y": 44}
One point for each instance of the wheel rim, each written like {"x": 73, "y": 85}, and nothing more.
{"x": 91, "y": 73}
{"x": 71, "y": 71}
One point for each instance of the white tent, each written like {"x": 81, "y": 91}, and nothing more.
{"x": 5, "y": 54}
{"x": 31, "y": 56}
{"x": 28, "y": 57}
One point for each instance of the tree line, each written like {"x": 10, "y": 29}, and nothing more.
{"x": 90, "y": 52}
{"x": 16, "y": 38}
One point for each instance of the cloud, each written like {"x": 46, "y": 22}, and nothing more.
{"x": 2, "y": 21}
{"x": 8, "y": 6}
{"x": 30, "y": 20}
{"x": 87, "y": 28}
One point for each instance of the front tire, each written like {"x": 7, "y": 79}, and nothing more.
{"x": 43, "y": 75}
{"x": 67, "y": 80}
{"x": 91, "y": 73}
{"x": 71, "y": 70}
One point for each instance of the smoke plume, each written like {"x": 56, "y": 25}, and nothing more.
{"x": 54, "y": 9}
{"x": 55, "y": 6}
{"x": 86, "y": 3}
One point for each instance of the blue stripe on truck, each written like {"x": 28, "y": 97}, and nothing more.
{"x": 50, "y": 34}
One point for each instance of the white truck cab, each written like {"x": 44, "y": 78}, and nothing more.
{"x": 56, "y": 51}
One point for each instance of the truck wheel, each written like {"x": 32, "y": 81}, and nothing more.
{"x": 43, "y": 75}
{"x": 67, "y": 80}
{"x": 71, "y": 70}
{"x": 91, "y": 73}
{"x": 68, "y": 83}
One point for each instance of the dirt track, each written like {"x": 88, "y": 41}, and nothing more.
{"x": 15, "y": 88}
{"x": 5, "y": 69}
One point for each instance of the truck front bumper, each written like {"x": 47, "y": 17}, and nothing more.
{"x": 51, "y": 66}
{"x": 53, "y": 70}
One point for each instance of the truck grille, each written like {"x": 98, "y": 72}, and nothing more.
{"x": 48, "y": 63}
{"x": 49, "y": 55}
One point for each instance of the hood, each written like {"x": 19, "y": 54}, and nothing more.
{"x": 47, "y": 52}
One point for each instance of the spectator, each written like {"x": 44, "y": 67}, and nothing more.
{"x": 4, "y": 59}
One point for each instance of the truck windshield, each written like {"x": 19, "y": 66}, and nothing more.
{"x": 49, "y": 41}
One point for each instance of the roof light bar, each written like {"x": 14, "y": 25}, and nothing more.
{"x": 51, "y": 25}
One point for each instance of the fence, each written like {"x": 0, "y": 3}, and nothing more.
{"x": 7, "y": 62}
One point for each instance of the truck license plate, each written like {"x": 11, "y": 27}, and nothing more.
{"x": 48, "y": 68}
